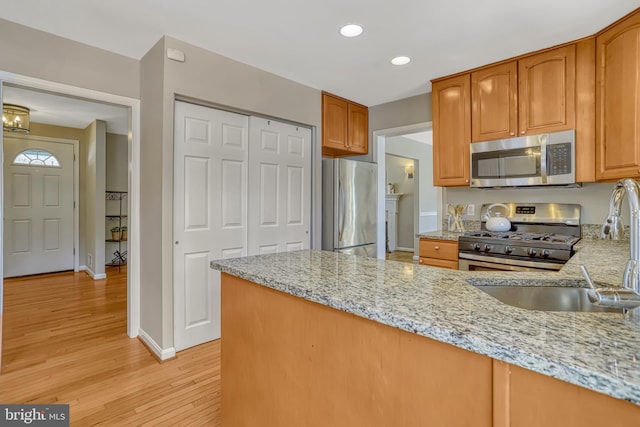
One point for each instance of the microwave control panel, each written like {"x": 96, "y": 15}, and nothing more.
{"x": 559, "y": 159}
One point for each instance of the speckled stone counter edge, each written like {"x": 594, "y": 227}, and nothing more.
{"x": 579, "y": 375}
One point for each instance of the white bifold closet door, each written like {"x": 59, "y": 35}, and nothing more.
{"x": 241, "y": 187}
{"x": 279, "y": 187}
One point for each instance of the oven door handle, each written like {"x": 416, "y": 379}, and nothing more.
{"x": 544, "y": 161}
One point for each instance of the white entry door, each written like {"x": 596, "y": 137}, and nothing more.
{"x": 210, "y": 211}
{"x": 279, "y": 186}
{"x": 38, "y": 207}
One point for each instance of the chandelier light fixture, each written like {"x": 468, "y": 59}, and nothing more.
{"x": 15, "y": 118}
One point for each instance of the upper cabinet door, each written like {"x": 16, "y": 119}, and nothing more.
{"x": 345, "y": 127}
{"x": 494, "y": 102}
{"x": 546, "y": 91}
{"x": 451, "y": 130}
{"x": 358, "y": 128}
{"x": 618, "y": 100}
{"x": 334, "y": 122}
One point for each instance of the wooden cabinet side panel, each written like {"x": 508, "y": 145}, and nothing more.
{"x": 539, "y": 400}
{"x": 494, "y": 103}
{"x": 618, "y": 101}
{"x": 501, "y": 393}
{"x": 358, "y": 124}
{"x": 451, "y": 131}
{"x": 586, "y": 110}
{"x": 290, "y": 362}
{"x": 334, "y": 122}
{"x": 546, "y": 91}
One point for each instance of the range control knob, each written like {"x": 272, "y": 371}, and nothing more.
{"x": 508, "y": 249}
{"x": 531, "y": 252}
{"x": 475, "y": 246}
{"x": 546, "y": 253}
{"x": 487, "y": 248}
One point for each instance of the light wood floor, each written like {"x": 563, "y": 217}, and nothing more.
{"x": 401, "y": 256}
{"x": 65, "y": 341}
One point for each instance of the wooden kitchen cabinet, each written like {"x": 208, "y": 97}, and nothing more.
{"x": 494, "y": 104}
{"x": 523, "y": 398}
{"x": 345, "y": 127}
{"x": 532, "y": 95}
{"x": 546, "y": 91}
{"x": 451, "y": 104}
{"x": 294, "y": 362}
{"x": 439, "y": 253}
{"x": 618, "y": 100}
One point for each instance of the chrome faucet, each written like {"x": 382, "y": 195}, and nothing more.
{"x": 627, "y": 297}
{"x": 612, "y": 227}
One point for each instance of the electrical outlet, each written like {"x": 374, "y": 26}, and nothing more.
{"x": 471, "y": 209}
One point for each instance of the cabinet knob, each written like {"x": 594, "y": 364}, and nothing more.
{"x": 521, "y": 132}
{"x": 437, "y": 248}
{"x": 420, "y": 262}
{"x": 466, "y": 180}
{"x": 512, "y": 133}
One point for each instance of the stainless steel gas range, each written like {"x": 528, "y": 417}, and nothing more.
{"x": 542, "y": 237}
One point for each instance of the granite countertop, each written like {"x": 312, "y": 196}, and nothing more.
{"x": 598, "y": 351}
{"x": 441, "y": 235}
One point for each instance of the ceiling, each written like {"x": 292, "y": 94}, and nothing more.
{"x": 51, "y": 109}
{"x": 300, "y": 40}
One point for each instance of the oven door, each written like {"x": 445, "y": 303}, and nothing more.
{"x": 472, "y": 262}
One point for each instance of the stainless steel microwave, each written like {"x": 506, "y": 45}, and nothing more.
{"x": 546, "y": 159}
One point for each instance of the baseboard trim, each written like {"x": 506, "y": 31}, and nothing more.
{"x": 93, "y": 275}
{"x": 403, "y": 249}
{"x": 158, "y": 352}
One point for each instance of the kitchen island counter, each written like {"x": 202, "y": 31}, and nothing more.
{"x": 597, "y": 351}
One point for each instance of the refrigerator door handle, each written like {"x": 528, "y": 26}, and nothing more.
{"x": 341, "y": 210}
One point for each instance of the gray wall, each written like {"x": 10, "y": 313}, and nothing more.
{"x": 426, "y": 195}
{"x": 217, "y": 80}
{"x": 406, "y": 213}
{"x": 151, "y": 165}
{"x": 423, "y": 153}
{"x": 42, "y": 55}
{"x": 94, "y": 195}
{"x": 117, "y": 164}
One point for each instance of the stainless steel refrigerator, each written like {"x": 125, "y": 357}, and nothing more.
{"x": 349, "y": 206}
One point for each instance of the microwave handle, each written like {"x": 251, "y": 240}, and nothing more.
{"x": 544, "y": 166}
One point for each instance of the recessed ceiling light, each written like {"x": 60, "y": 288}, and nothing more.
{"x": 401, "y": 60}
{"x": 351, "y": 30}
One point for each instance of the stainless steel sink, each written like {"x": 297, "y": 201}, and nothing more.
{"x": 542, "y": 296}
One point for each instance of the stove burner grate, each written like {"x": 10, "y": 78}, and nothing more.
{"x": 525, "y": 236}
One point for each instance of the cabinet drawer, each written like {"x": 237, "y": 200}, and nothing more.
{"x": 453, "y": 265}
{"x": 440, "y": 249}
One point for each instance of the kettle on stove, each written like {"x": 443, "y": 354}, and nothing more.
{"x": 497, "y": 222}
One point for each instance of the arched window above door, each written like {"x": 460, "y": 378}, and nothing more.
{"x": 35, "y": 157}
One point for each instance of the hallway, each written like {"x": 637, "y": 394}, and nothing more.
{"x": 65, "y": 342}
